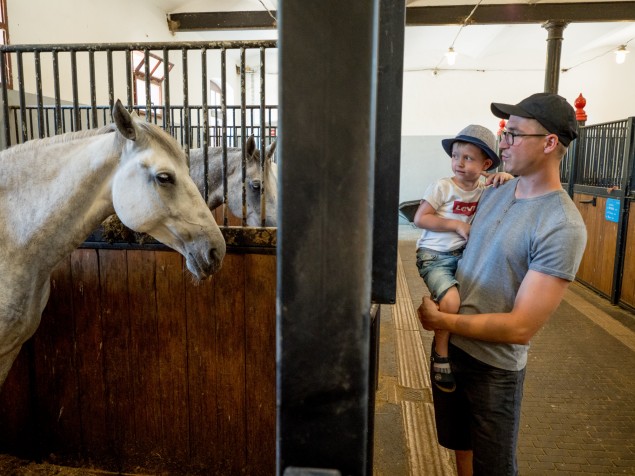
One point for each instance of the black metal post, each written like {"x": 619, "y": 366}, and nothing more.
{"x": 555, "y": 29}
{"x": 326, "y": 153}
{"x": 575, "y": 152}
{"x": 5, "y": 101}
{"x": 625, "y": 201}
{"x": 575, "y": 148}
{"x": 392, "y": 20}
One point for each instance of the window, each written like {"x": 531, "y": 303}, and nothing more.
{"x": 4, "y": 39}
{"x": 157, "y": 73}
{"x": 215, "y": 93}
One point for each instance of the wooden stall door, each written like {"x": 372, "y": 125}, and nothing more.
{"x": 137, "y": 368}
{"x": 596, "y": 268}
{"x": 627, "y": 295}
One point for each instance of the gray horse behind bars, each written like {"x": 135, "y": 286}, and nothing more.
{"x": 54, "y": 192}
{"x": 256, "y": 183}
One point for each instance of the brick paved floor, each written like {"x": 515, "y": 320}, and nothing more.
{"x": 578, "y": 415}
{"x": 579, "y": 404}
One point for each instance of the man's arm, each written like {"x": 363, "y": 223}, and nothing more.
{"x": 538, "y": 297}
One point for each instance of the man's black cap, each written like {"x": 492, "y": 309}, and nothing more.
{"x": 552, "y": 111}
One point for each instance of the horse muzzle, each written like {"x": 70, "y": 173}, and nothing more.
{"x": 206, "y": 259}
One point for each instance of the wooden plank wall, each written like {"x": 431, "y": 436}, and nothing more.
{"x": 135, "y": 367}
{"x": 232, "y": 220}
{"x": 627, "y": 295}
{"x": 596, "y": 268}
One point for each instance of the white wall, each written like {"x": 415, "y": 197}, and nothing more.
{"x": 433, "y": 107}
{"x": 119, "y": 21}
{"x": 440, "y": 106}
{"x": 423, "y": 160}
{"x": 74, "y": 21}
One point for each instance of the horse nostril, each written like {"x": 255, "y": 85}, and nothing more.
{"x": 215, "y": 257}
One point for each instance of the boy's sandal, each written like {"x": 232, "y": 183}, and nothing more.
{"x": 444, "y": 381}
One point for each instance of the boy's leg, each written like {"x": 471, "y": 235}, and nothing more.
{"x": 441, "y": 370}
{"x": 450, "y": 303}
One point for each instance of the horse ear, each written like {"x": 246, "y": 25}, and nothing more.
{"x": 250, "y": 146}
{"x": 270, "y": 150}
{"x": 124, "y": 121}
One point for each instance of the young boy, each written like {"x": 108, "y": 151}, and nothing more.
{"x": 445, "y": 214}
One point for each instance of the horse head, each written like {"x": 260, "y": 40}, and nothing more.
{"x": 256, "y": 184}
{"x": 153, "y": 193}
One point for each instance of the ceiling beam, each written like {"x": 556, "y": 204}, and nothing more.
{"x": 514, "y": 13}
{"x": 206, "y": 21}
{"x": 511, "y": 13}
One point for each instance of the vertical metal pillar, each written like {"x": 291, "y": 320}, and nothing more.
{"x": 327, "y": 59}
{"x": 392, "y": 22}
{"x": 625, "y": 202}
{"x": 555, "y": 28}
{"x": 391, "y": 32}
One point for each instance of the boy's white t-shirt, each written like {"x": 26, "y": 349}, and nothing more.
{"x": 451, "y": 202}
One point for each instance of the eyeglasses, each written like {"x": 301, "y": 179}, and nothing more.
{"x": 510, "y": 136}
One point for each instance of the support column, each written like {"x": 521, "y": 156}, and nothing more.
{"x": 327, "y": 91}
{"x": 392, "y": 26}
{"x": 555, "y": 29}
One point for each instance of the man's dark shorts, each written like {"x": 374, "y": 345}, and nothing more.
{"x": 482, "y": 415}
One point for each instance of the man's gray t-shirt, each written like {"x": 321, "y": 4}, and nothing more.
{"x": 510, "y": 236}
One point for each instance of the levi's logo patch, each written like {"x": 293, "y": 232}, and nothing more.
{"x": 464, "y": 208}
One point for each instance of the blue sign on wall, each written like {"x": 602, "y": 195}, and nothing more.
{"x": 612, "y": 212}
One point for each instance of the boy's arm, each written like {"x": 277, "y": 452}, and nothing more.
{"x": 427, "y": 219}
{"x": 516, "y": 327}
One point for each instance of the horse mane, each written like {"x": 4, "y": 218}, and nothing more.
{"x": 62, "y": 138}
{"x": 162, "y": 138}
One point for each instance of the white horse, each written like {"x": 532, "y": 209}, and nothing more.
{"x": 255, "y": 183}
{"x": 54, "y": 192}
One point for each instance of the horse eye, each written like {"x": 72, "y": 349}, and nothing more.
{"x": 255, "y": 184}
{"x": 164, "y": 178}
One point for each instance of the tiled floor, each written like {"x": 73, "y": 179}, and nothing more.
{"x": 579, "y": 405}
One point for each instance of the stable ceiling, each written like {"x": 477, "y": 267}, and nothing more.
{"x": 482, "y": 43}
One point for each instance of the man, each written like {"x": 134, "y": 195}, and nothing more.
{"x": 524, "y": 249}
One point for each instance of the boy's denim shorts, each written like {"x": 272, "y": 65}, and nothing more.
{"x": 437, "y": 270}
{"x": 482, "y": 414}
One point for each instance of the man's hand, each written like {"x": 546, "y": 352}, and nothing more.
{"x": 428, "y": 313}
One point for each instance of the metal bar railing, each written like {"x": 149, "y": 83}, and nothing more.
{"x": 64, "y": 88}
{"x": 263, "y": 209}
{"x": 243, "y": 117}
{"x": 5, "y": 100}
{"x": 602, "y": 163}
{"x": 71, "y": 115}
{"x": 600, "y": 158}
{"x": 216, "y": 45}
{"x": 205, "y": 124}
{"x": 223, "y": 100}
{"x": 38, "y": 95}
